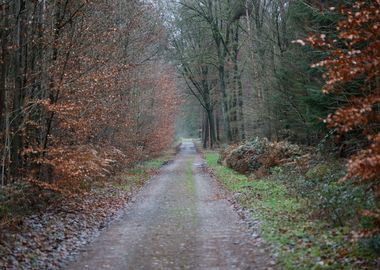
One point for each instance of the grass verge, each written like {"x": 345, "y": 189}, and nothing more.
{"x": 139, "y": 174}
{"x": 301, "y": 242}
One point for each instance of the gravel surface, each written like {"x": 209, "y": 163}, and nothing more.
{"x": 180, "y": 220}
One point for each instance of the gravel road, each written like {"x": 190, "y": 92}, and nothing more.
{"x": 180, "y": 220}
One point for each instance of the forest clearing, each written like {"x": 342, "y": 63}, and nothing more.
{"x": 189, "y": 134}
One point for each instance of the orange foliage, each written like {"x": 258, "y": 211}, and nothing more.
{"x": 354, "y": 56}
{"x": 111, "y": 100}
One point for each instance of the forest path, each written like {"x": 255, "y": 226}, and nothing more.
{"x": 180, "y": 220}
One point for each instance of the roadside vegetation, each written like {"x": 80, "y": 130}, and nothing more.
{"x": 19, "y": 200}
{"x": 91, "y": 90}
{"x": 42, "y": 229}
{"x": 306, "y": 214}
{"x": 289, "y": 91}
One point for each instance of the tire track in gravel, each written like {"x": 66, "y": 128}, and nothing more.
{"x": 180, "y": 220}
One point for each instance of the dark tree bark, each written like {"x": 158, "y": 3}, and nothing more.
{"x": 18, "y": 97}
{"x": 238, "y": 84}
{"x": 3, "y": 62}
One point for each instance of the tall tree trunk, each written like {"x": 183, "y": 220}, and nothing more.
{"x": 225, "y": 109}
{"x": 205, "y": 130}
{"x": 241, "y": 108}
{"x": 217, "y": 126}
{"x": 4, "y": 119}
{"x": 3, "y": 63}
{"x": 238, "y": 84}
{"x": 18, "y": 97}
{"x": 210, "y": 115}
{"x": 54, "y": 95}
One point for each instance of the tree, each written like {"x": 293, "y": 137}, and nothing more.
{"x": 353, "y": 66}
{"x": 198, "y": 70}
{"x": 77, "y": 96}
{"x": 218, "y": 30}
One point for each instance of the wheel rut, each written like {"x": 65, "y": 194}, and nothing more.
{"x": 180, "y": 220}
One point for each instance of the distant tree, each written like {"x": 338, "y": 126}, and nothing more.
{"x": 196, "y": 63}
{"x": 218, "y": 25}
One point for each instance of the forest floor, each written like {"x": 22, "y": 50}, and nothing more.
{"x": 177, "y": 217}
{"x": 180, "y": 220}
{"x": 43, "y": 230}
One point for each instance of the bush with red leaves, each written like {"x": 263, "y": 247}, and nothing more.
{"x": 354, "y": 57}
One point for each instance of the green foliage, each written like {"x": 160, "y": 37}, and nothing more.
{"x": 286, "y": 203}
{"x": 299, "y": 97}
{"x": 326, "y": 198}
{"x": 319, "y": 171}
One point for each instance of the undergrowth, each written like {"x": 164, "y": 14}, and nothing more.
{"x": 21, "y": 199}
{"x": 139, "y": 174}
{"x": 307, "y": 217}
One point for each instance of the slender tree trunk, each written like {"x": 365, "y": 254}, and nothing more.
{"x": 4, "y": 123}
{"x": 241, "y": 109}
{"x": 53, "y": 96}
{"x": 225, "y": 109}
{"x": 217, "y": 126}
{"x": 210, "y": 115}
{"x": 238, "y": 85}
{"x": 3, "y": 64}
{"x": 5, "y": 159}
{"x": 205, "y": 130}
{"x": 18, "y": 94}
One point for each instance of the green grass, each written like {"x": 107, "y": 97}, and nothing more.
{"x": 189, "y": 177}
{"x": 154, "y": 163}
{"x": 301, "y": 243}
{"x": 186, "y": 214}
{"x": 137, "y": 176}
{"x": 190, "y": 185}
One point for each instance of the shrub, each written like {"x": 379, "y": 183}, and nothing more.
{"x": 259, "y": 155}
{"x": 352, "y": 66}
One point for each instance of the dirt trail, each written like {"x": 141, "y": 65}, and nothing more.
{"x": 180, "y": 220}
